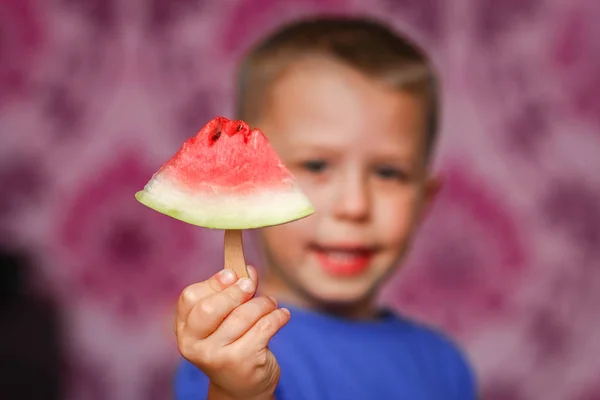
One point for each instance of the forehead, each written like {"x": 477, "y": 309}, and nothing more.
{"x": 320, "y": 102}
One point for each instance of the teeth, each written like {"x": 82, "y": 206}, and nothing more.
{"x": 342, "y": 257}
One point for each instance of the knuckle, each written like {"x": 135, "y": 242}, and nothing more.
{"x": 256, "y": 308}
{"x": 213, "y": 283}
{"x": 268, "y": 304}
{"x": 186, "y": 347}
{"x": 208, "y": 356}
{"x": 188, "y": 295}
{"x": 259, "y": 307}
{"x": 281, "y": 316}
{"x": 239, "y": 319}
{"x": 261, "y": 359}
{"x": 233, "y": 295}
{"x": 267, "y": 323}
{"x": 263, "y": 303}
{"x": 207, "y": 308}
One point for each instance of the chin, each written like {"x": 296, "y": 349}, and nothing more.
{"x": 335, "y": 298}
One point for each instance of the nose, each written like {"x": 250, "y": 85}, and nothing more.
{"x": 352, "y": 199}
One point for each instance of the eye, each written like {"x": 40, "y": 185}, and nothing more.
{"x": 315, "y": 166}
{"x": 388, "y": 172}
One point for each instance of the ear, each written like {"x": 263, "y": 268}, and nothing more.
{"x": 433, "y": 186}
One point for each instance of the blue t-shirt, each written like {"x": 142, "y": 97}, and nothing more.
{"x": 328, "y": 358}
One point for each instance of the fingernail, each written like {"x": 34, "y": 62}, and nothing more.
{"x": 273, "y": 299}
{"x": 227, "y": 276}
{"x": 285, "y": 311}
{"x": 246, "y": 285}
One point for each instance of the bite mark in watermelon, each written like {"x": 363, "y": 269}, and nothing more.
{"x": 226, "y": 177}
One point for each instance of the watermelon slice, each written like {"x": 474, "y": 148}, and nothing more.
{"x": 226, "y": 177}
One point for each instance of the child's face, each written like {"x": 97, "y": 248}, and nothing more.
{"x": 357, "y": 150}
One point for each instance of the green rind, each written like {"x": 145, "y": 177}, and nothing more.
{"x": 220, "y": 222}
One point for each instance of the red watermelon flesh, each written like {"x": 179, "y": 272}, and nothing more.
{"x": 226, "y": 177}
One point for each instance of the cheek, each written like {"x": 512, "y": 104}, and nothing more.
{"x": 318, "y": 192}
{"x": 395, "y": 219}
{"x": 285, "y": 242}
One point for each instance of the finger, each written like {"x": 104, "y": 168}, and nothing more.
{"x": 197, "y": 291}
{"x": 253, "y": 273}
{"x": 242, "y": 319}
{"x": 260, "y": 334}
{"x": 208, "y": 313}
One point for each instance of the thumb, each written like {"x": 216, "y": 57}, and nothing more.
{"x": 197, "y": 291}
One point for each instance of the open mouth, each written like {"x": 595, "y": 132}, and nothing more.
{"x": 343, "y": 260}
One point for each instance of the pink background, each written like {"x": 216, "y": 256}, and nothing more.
{"x": 96, "y": 94}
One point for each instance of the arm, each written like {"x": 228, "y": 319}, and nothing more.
{"x": 465, "y": 380}
{"x": 192, "y": 384}
{"x": 214, "y": 393}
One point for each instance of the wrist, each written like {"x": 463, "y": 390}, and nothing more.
{"x": 217, "y": 393}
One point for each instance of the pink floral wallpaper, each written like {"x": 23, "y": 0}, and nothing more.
{"x": 96, "y": 94}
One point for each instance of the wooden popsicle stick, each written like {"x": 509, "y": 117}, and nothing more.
{"x": 234, "y": 253}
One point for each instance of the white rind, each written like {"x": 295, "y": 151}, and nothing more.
{"x": 226, "y": 211}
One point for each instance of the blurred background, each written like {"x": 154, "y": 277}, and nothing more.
{"x": 96, "y": 94}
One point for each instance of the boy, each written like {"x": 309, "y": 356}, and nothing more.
{"x": 352, "y": 111}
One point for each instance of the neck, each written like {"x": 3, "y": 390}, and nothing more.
{"x": 273, "y": 284}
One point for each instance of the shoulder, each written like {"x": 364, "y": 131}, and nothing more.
{"x": 190, "y": 382}
{"x": 434, "y": 338}
{"x": 450, "y": 360}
